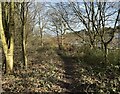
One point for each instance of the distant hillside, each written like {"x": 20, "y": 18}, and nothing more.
{"x": 78, "y": 38}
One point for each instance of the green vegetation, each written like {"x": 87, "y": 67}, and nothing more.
{"x": 69, "y": 61}
{"x": 78, "y": 70}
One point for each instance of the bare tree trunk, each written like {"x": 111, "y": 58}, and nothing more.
{"x": 40, "y": 31}
{"x": 24, "y": 47}
{"x": 62, "y": 41}
{"x": 9, "y": 59}
{"x": 41, "y": 36}
{"x": 105, "y": 53}
{"x": 23, "y": 35}
{"x": 58, "y": 41}
{"x": 8, "y": 48}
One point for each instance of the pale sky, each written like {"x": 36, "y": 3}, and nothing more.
{"x": 75, "y": 0}
{"x": 56, "y": 1}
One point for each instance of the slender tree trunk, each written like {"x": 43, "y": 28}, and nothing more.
{"x": 105, "y": 52}
{"x": 62, "y": 42}
{"x": 41, "y": 36}
{"x": 23, "y": 35}
{"x": 40, "y": 31}
{"x": 58, "y": 41}
{"x": 24, "y": 46}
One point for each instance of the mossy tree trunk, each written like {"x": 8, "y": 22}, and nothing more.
{"x": 7, "y": 37}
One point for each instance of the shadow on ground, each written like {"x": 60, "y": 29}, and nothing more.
{"x": 53, "y": 70}
{"x": 71, "y": 77}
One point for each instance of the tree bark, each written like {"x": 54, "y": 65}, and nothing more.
{"x": 58, "y": 41}
{"x": 8, "y": 48}
{"x": 41, "y": 36}
{"x": 105, "y": 53}
{"x": 24, "y": 47}
{"x": 23, "y": 33}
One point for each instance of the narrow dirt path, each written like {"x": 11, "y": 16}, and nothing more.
{"x": 48, "y": 71}
{"x": 70, "y": 81}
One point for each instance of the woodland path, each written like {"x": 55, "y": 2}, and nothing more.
{"x": 51, "y": 70}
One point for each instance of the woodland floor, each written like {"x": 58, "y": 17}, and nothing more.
{"x": 50, "y": 70}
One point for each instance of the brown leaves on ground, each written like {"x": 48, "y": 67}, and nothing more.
{"x": 50, "y": 70}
